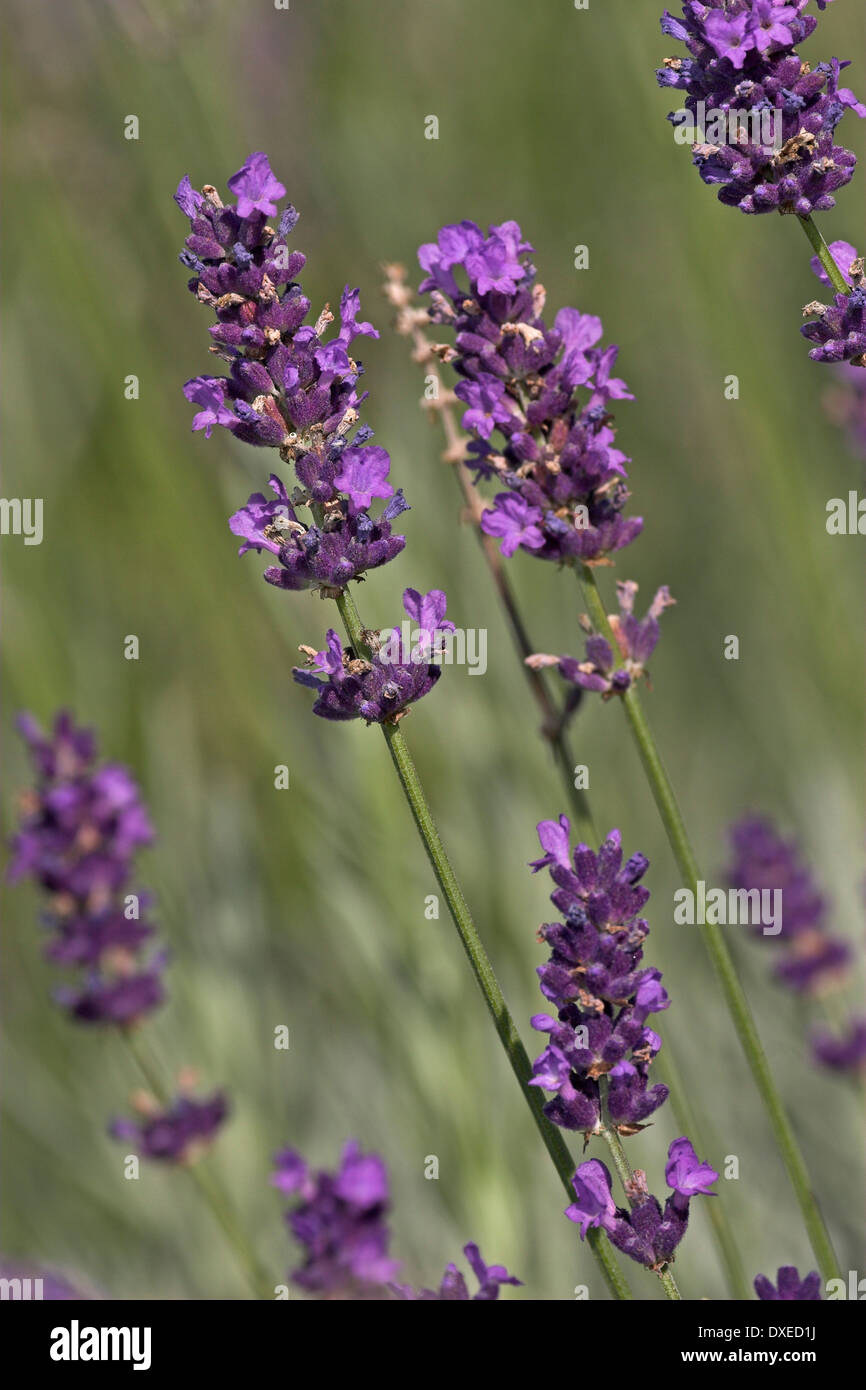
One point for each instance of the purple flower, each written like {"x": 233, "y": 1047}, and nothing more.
{"x": 515, "y": 522}
{"x": 288, "y": 387}
{"x": 398, "y": 673}
{"x": 340, "y": 1223}
{"x": 636, "y": 640}
{"x": 317, "y": 557}
{"x": 685, "y": 1173}
{"x": 178, "y": 1134}
{"x": 840, "y": 328}
{"x": 768, "y": 144}
{"x": 486, "y": 400}
{"x": 647, "y": 1232}
{"x": 256, "y": 186}
{"x": 364, "y": 475}
{"x": 811, "y": 959}
{"x": 844, "y": 254}
{"x": 789, "y": 1288}
{"x": 594, "y": 1205}
{"x": 845, "y": 1053}
{"x": 209, "y": 393}
{"x": 595, "y": 980}
{"x": 81, "y": 828}
{"x": 519, "y": 378}
{"x": 454, "y": 1288}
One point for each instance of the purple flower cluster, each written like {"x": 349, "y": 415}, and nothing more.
{"x": 602, "y": 670}
{"x": 813, "y": 960}
{"x": 402, "y": 668}
{"x": 812, "y": 957}
{"x": 593, "y": 977}
{"x": 453, "y": 1287}
{"x": 81, "y": 828}
{"x": 340, "y": 1221}
{"x": 177, "y": 1134}
{"x": 789, "y": 1287}
{"x": 769, "y": 142}
{"x": 648, "y": 1232}
{"x": 287, "y": 388}
{"x": 840, "y": 328}
{"x": 553, "y": 452}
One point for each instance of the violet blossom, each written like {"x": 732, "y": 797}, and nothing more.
{"x": 340, "y": 1222}
{"x": 453, "y": 1287}
{"x": 178, "y": 1133}
{"x": 789, "y": 1287}
{"x": 603, "y": 670}
{"x": 81, "y": 828}
{"x": 647, "y": 1232}
{"x": 839, "y": 328}
{"x": 768, "y": 143}
{"x": 288, "y": 388}
{"x": 552, "y": 451}
{"x": 403, "y": 666}
{"x": 594, "y": 978}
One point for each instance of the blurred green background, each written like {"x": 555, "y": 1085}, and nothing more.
{"x": 306, "y": 907}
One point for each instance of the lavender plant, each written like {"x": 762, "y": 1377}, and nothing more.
{"x": 762, "y": 123}
{"x": 412, "y": 322}
{"x": 289, "y": 389}
{"x": 541, "y": 458}
{"x": 81, "y": 828}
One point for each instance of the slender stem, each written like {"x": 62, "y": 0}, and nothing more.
{"x": 626, "y": 1176}
{"x": 825, "y": 255}
{"x": 478, "y": 958}
{"x": 732, "y": 990}
{"x": 208, "y": 1186}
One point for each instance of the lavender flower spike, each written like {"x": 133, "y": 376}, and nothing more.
{"x": 288, "y": 388}
{"x": 402, "y": 668}
{"x": 840, "y": 328}
{"x": 761, "y": 120}
{"x": 552, "y": 451}
{"x": 812, "y": 959}
{"x": 647, "y": 1233}
{"x": 594, "y": 978}
{"x": 178, "y": 1134}
{"x": 789, "y": 1287}
{"x": 340, "y": 1221}
{"x": 81, "y": 828}
{"x": 636, "y": 640}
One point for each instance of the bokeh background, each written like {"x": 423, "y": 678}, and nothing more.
{"x": 306, "y": 907}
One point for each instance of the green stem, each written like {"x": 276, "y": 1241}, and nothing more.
{"x": 626, "y": 1176}
{"x": 478, "y": 958}
{"x": 825, "y": 255}
{"x": 207, "y": 1184}
{"x": 732, "y": 990}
